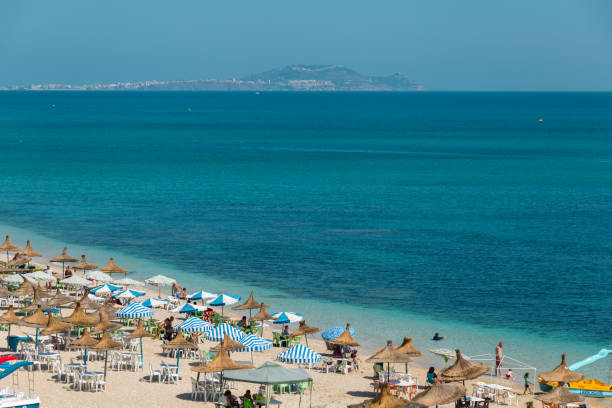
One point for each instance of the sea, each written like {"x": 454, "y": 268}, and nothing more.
{"x": 484, "y": 217}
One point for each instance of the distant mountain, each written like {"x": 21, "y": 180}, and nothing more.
{"x": 329, "y": 78}
{"x": 289, "y": 78}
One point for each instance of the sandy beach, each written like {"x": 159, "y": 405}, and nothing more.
{"x": 132, "y": 389}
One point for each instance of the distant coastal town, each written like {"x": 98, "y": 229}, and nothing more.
{"x": 290, "y": 78}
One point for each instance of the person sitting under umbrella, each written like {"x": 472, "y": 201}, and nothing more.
{"x": 431, "y": 375}
{"x": 228, "y": 400}
{"x": 285, "y": 336}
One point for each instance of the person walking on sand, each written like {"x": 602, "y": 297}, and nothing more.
{"x": 499, "y": 359}
{"x": 527, "y": 384}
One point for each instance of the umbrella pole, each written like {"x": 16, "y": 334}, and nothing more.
{"x": 63, "y": 270}
{"x": 306, "y": 338}
{"x": 85, "y": 358}
{"x": 105, "y": 360}
{"x": 141, "y": 357}
{"x": 36, "y": 344}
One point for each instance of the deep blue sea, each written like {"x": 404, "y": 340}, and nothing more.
{"x": 403, "y": 213}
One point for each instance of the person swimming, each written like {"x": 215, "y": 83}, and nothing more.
{"x": 437, "y": 337}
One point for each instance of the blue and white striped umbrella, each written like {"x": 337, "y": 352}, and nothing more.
{"x": 128, "y": 294}
{"x": 334, "y": 332}
{"x": 155, "y": 302}
{"x": 255, "y": 343}
{"x": 134, "y": 310}
{"x": 106, "y": 288}
{"x": 194, "y": 325}
{"x": 224, "y": 299}
{"x": 299, "y": 354}
{"x": 219, "y": 333}
{"x": 186, "y": 308}
{"x": 286, "y": 317}
{"x": 202, "y": 295}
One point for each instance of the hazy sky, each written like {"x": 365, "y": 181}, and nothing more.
{"x": 444, "y": 45}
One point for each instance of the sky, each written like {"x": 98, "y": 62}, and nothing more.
{"x": 479, "y": 45}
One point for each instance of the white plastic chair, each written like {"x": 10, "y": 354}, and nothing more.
{"x": 196, "y": 389}
{"x": 154, "y": 373}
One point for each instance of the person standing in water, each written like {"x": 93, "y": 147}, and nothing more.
{"x": 499, "y": 359}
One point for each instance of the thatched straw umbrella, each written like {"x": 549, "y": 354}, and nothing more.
{"x": 249, "y": 305}
{"x": 84, "y": 342}
{"x": 108, "y": 310}
{"x": 179, "y": 343}
{"x": 59, "y": 299}
{"x": 38, "y": 320}
{"x": 28, "y": 251}
{"x": 261, "y": 316}
{"x": 139, "y": 333}
{"x": 105, "y": 324}
{"x": 227, "y": 344}
{"x": 304, "y": 330}
{"x": 87, "y": 303}
{"x": 390, "y": 356}
{"x": 8, "y": 246}
{"x": 111, "y": 267}
{"x": 25, "y": 289}
{"x": 220, "y": 363}
{"x": 382, "y": 400}
{"x": 64, "y": 258}
{"x": 558, "y": 396}
{"x": 9, "y": 318}
{"x": 462, "y": 370}
{"x": 345, "y": 339}
{"x": 80, "y": 318}
{"x": 439, "y": 394}
{"x": 408, "y": 349}
{"x": 19, "y": 259}
{"x": 105, "y": 344}
{"x": 85, "y": 265}
{"x": 561, "y": 374}
{"x": 55, "y": 326}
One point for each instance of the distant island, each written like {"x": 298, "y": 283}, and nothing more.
{"x": 289, "y": 78}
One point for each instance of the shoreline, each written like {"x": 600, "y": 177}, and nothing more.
{"x": 374, "y": 326}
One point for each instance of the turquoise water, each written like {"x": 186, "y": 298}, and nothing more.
{"x": 404, "y": 214}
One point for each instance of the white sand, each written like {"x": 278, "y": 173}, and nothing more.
{"x": 131, "y": 389}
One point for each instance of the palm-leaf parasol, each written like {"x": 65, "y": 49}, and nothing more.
{"x": 105, "y": 324}
{"x": 112, "y": 267}
{"x": 462, "y": 370}
{"x": 105, "y": 344}
{"x": 408, "y": 349}
{"x": 55, "y": 326}
{"x": 64, "y": 258}
{"x": 85, "y": 265}
{"x": 249, "y": 305}
{"x": 60, "y": 299}
{"x": 8, "y": 246}
{"x": 18, "y": 259}
{"x": 139, "y": 333}
{"x": 9, "y": 318}
{"x": 38, "y": 320}
{"x": 561, "y": 374}
{"x": 345, "y": 339}
{"x": 87, "y": 303}
{"x": 25, "y": 289}
{"x": 304, "y": 330}
{"x": 389, "y": 355}
{"x": 179, "y": 342}
{"x": 558, "y": 396}
{"x": 29, "y": 251}
{"x": 220, "y": 363}
{"x": 382, "y": 400}
{"x": 227, "y": 344}
{"x": 439, "y": 394}
{"x": 80, "y": 318}
{"x": 261, "y": 316}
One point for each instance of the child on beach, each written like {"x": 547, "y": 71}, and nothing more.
{"x": 509, "y": 375}
{"x": 527, "y": 384}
